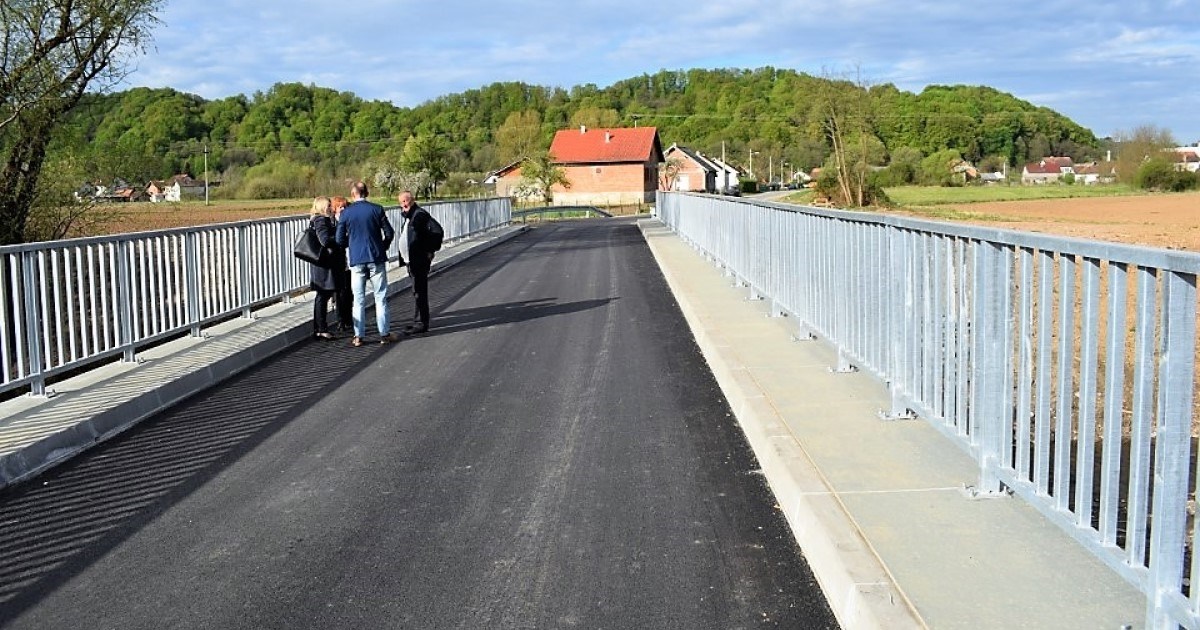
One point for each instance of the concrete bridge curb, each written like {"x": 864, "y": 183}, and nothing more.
{"x": 858, "y": 586}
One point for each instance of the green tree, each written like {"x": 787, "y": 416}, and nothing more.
{"x": 1135, "y": 148}
{"x": 845, "y": 117}
{"x": 902, "y": 168}
{"x": 426, "y": 153}
{"x": 60, "y": 213}
{"x": 937, "y": 169}
{"x": 539, "y": 175}
{"x": 53, "y": 51}
{"x": 596, "y": 117}
{"x": 519, "y": 136}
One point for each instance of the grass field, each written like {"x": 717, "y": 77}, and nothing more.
{"x": 919, "y": 196}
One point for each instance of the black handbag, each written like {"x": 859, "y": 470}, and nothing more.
{"x": 309, "y": 249}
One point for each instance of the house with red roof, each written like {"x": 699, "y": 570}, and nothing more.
{"x": 1047, "y": 169}
{"x": 1187, "y": 159}
{"x": 607, "y": 167}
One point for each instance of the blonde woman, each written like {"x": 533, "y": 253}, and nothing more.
{"x": 344, "y": 300}
{"x": 322, "y": 280}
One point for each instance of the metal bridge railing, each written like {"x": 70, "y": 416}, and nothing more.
{"x": 68, "y": 304}
{"x": 1066, "y": 367}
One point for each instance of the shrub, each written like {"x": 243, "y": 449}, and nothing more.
{"x": 265, "y": 187}
{"x": 827, "y": 187}
{"x": 278, "y": 178}
{"x": 1153, "y": 174}
{"x": 1179, "y": 181}
{"x": 1160, "y": 174}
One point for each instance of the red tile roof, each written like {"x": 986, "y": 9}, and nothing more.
{"x": 636, "y": 144}
{"x": 1044, "y": 167}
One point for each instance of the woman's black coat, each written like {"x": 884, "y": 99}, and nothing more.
{"x": 325, "y": 278}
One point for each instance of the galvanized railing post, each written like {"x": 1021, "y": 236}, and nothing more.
{"x": 285, "y": 262}
{"x": 988, "y": 412}
{"x": 243, "y": 262}
{"x": 897, "y": 311}
{"x": 33, "y": 324}
{"x": 1172, "y": 445}
{"x": 124, "y": 306}
{"x": 192, "y": 279}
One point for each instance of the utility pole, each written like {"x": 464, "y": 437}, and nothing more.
{"x": 724, "y": 170}
{"x": 206, "y": 173}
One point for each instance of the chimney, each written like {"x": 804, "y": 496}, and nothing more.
{"x": 582, "y": 129}
{"x": 608, "y": 136}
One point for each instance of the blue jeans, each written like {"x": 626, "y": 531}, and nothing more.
{"x": 376, "y": 273}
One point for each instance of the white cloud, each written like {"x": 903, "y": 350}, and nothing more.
{"x": 1050, "y": 52}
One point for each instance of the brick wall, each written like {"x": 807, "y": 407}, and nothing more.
{"x": 506, "y": 183}
{"x": 608, "y": 184}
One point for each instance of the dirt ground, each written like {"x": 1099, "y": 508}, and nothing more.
{"x": 1169, "y": 221}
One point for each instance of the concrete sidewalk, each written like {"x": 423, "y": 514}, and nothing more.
{"x": 39, "y": 432}
{"x": 878, "y": 507}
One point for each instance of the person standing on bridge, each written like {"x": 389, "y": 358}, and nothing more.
{"x": 344, "y": 300}
{"x": 323, "y": 279}
{"x": 420, "y": 259}
{"x": 366, "y": 234}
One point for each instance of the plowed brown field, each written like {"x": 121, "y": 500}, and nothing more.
{"x": 1171, "y": 221}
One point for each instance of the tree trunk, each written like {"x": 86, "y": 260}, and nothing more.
{"x": 23, "y": 167}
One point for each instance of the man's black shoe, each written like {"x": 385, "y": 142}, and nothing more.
{"x": 414, "y": 329}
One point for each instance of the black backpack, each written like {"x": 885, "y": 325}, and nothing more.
{"x": 434, "y": 233}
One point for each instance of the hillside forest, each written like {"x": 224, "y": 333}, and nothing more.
{"x": 296, "y": 140}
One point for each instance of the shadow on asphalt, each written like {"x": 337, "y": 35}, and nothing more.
{"x": 54, "y": 526}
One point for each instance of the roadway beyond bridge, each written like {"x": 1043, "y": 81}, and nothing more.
{"x": 555, "y": 453}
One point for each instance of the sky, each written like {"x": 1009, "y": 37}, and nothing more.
{"x": 1110, "y": 65}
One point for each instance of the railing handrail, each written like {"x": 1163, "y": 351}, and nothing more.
{"x": 1018, "y": 346}
{"x": 89, "y": 240}
{"x": 68, "y": 304}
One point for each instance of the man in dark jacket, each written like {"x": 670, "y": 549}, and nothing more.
{"x": 366, "y": 233}
{"x": 420, "y": 258}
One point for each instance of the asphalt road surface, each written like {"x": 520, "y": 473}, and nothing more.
{"x": 553, "y": 454}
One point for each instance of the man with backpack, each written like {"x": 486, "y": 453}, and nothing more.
{"x": 424, "y": 235}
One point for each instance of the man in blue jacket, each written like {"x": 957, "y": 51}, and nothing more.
{"x": 366, "y": 233}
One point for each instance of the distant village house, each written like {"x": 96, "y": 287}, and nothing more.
{"x": 1187, "y": 159}
{"x": 506, "y": 180}
{"x": 691, "y": 171}
{"x": 118, "y": 191}
{"x": 175, "y": 189}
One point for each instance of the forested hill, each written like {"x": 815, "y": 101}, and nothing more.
{"x": 143, "y": 134}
